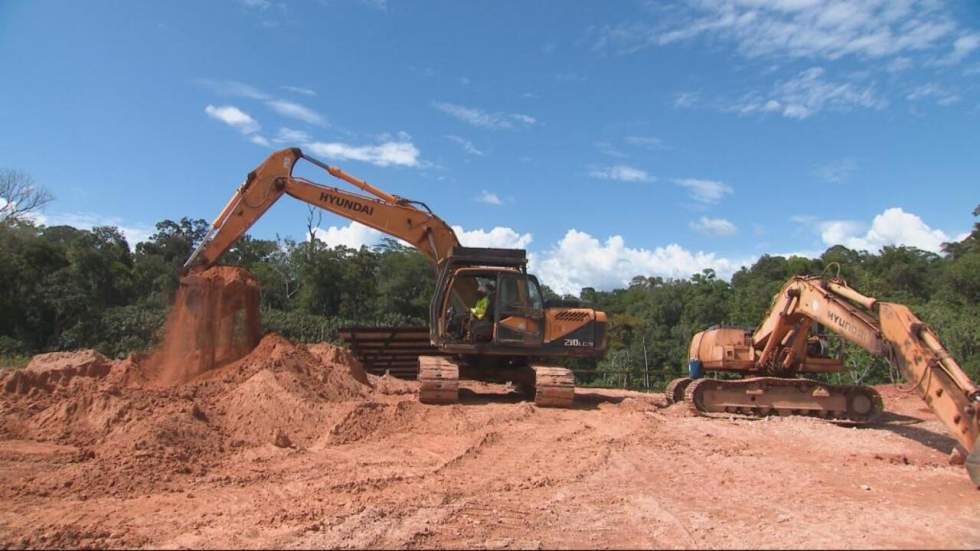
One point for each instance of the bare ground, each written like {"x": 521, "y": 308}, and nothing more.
{"x": 254, "y": 457}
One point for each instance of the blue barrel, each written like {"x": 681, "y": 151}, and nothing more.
{"x": 694, "y": 369}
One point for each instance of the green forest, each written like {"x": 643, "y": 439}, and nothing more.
{"x": 67, "y": 288}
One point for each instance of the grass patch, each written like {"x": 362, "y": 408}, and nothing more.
{"x": 14, "y": 362}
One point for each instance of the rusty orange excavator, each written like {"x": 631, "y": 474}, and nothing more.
{"x": 487, "y": 316}
{"x": 786, "y": 345}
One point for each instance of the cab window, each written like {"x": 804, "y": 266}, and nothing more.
{"x": 518, "y": 294}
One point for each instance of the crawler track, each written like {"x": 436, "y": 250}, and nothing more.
{"x": 438, "y": 380}
{"x": 675, "y": 389}
{"x": 553, "y": 387}
{"x": 763, "y": 396}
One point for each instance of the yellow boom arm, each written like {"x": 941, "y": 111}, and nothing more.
{"x": 384, "y": 212}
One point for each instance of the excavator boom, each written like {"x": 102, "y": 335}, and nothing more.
{"x": 384, "y": 212}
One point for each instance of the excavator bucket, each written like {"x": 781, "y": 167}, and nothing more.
{"x": 973, "y": 464}
{"x": 214, "y": 320}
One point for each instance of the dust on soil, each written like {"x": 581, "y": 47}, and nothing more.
{"x": 293, "y": 446}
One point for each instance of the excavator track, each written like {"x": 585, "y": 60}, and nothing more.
{"x": 553, "y": 387}
{"x": 438, "y": 380}
{"x": 675, "y": 389}
{"x": 762, "y": 396}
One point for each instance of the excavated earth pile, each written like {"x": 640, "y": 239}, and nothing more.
{"x": 287, "y": 445}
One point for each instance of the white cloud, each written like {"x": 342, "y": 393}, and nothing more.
{"x": 483, "y": 119}
{"x": 353, "y": 235}
{"x": 234, "y": 117}
{"x": 526, "y": 119}
{"x": 646, "y": 142}
{"x": 489, "y": 198}
{"x": 941, "y": 95}
{"x": 296, "y": 111}
{"x": 808, "y": 29}
{"x": 299, "y": 90}
{"x": 579, "y": 260}
{"x": 607, "y": 148}
{"x": 898, "y": 65}
{"x": 233, "y": 88}
{"x": 381, "y": 5}
{"x": 384, "y": 154}
{"x": 290, "y": 135}
{"x": 685, "y": 100}
{"x": 256, "y": 4}
{"x": 258, "y": 139}
{"x": 893, "y": 226}
{"x": 837, "y": 171}
{"x": 807, "y": 94}
{"x": 705, "y": 191}
{"x": 283, "y": 107}
{"x": 963, "y": 47}
{"x": 466, "y": 145}
{"x": 713, "y": 226}
{"x": 622, "y": 173}
{"x": 499, "y": 237}
{"x": 134, "y": 233}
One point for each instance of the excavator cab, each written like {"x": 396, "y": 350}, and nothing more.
{"x": 518, "y": 322}
{"x": 514, "y": 312}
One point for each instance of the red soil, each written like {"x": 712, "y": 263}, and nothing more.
{"x": 293, "y": 446}
{"x": 282, "y": 449}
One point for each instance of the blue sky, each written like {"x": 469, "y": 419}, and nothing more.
{"x": 610, "y": 139}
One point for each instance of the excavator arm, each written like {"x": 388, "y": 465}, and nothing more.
{"x": 939, "y": 380}
{"x": 408, "y": 220}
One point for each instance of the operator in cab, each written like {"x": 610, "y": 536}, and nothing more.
{"x": 483, "y": 303}
{"x": 481, "y": 322}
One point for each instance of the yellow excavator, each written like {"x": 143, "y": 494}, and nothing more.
{"x": 487, "y": 316}
{"x": 787, "y": 345}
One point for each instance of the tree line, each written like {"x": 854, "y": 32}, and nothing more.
{"x": 66, "y": 288}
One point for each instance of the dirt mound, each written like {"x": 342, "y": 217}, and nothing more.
{"x": 336, "y": 355}
{"x": 280, "y": 388}
{"x": 45, "y": 371}
{"x": 331, "y": 380}
{"x": 214, "y": 321}
{"x": 84, "y": 362}
{"x": 124, "y": 426}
